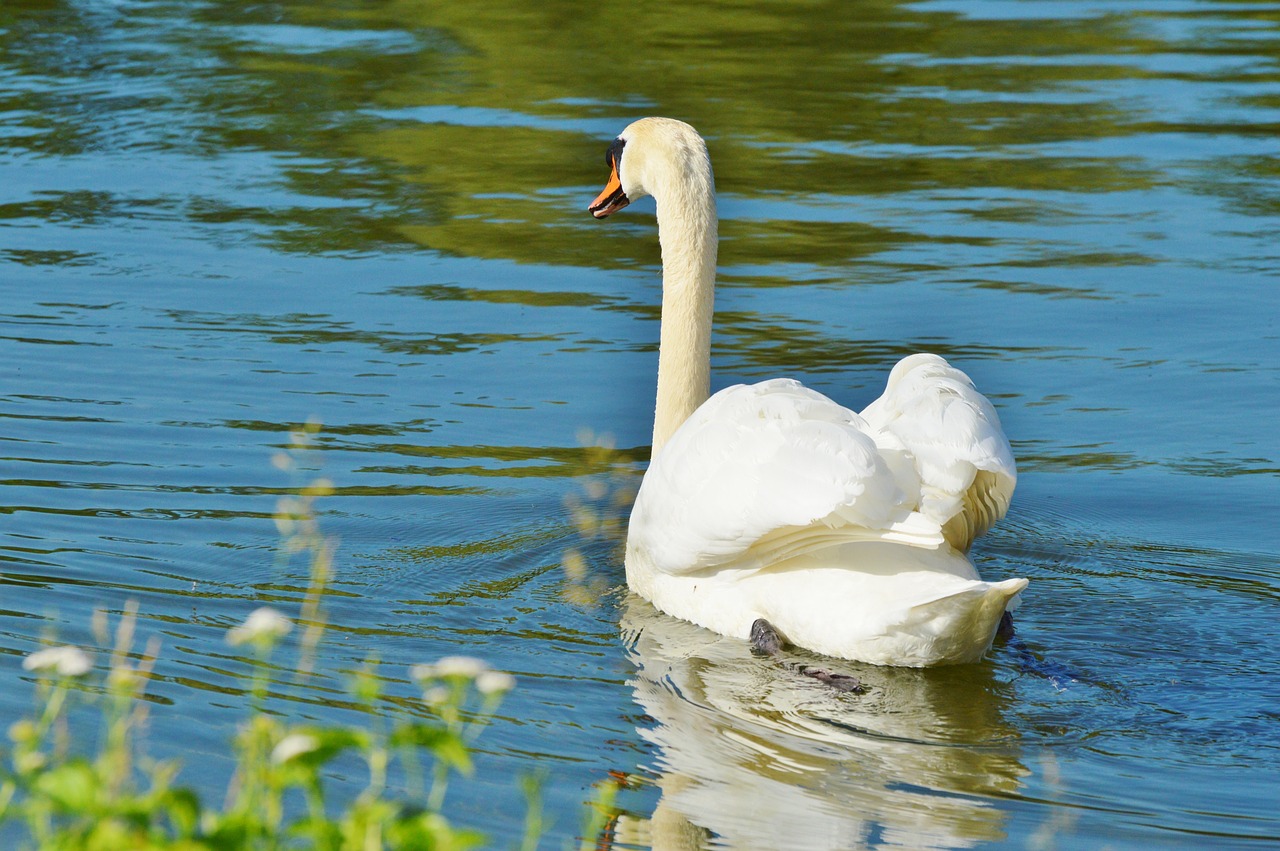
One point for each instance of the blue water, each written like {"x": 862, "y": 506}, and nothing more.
{"x": 219, "y": 221}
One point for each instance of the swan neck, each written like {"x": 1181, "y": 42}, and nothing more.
{"x": 687, "y": 232}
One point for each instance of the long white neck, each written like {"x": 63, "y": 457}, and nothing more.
{"x": 687, "y": 232}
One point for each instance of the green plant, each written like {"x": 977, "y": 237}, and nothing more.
{"x": 59, "y": 791}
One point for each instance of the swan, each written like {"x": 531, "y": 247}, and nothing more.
{"x": 770, "y": 512}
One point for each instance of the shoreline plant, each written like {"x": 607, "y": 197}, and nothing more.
{"x": 61, "y": 790}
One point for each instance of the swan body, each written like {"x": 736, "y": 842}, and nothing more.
{"x": 846, "y": 531}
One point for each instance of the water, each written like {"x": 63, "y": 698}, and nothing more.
{"x": 219, "y": 220}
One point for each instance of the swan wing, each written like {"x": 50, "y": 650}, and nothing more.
{"x": 769, "y": 471}
{"x": 931, "y": 420}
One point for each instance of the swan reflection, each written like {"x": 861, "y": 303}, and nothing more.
{"x": 752, "y": 755}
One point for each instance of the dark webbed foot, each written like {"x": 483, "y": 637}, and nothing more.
{"x": 839, "y": 682}
{"x": 1004, "y": 629}
{"x": 766, "y": 641}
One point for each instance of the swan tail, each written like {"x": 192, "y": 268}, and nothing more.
{"x": 953, "y": 625}
{"x": 960, "y": 626}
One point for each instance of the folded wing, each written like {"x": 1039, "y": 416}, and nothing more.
{"x": 933, "y": 423}
{"x": 768, "y": 471}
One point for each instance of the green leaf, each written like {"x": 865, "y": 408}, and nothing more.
{"x": 183, "y": 807}
{"x": 114, "y": 834}
{"x": 329, "y": 741}
{"x": 72, "y": 787}
{"x": 425, "y": 831}
{"x": 444, "y": 744}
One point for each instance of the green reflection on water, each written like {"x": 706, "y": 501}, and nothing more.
{"x": 499, "y": 134}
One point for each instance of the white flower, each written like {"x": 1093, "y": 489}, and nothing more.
{"x": 437, "y": 696}
{"x": 264, "y": 624}
{"x": 294, "y": 745}
{"x": 450, "y": 666}
{"x": 460, "y": 666}
{"x": 65, "y": 661}
{"x": 495, "y": 682}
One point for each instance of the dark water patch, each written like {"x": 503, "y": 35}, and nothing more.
{"x": 443, "y": 292}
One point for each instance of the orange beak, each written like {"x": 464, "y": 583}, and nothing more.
{"x": 612, "y": 199}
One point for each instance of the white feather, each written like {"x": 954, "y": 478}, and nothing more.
{"x": 766, "y": 470}
{"x": 931, "y": 412}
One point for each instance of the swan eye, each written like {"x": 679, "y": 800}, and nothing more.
{"x": 613, "y": 156}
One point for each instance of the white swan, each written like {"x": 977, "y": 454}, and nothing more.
{"x": 847, "y": 533}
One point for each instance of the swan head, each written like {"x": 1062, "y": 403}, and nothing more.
{"x": 653, "y": 156}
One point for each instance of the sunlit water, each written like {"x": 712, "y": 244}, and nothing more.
{"x": 220, "y": 220}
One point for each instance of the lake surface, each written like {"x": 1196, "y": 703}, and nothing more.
{"x": 219, "y": 220}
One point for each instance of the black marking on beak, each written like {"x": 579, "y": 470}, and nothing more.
{"x": 612, "y": 198}
{"x": 613, "y": 156}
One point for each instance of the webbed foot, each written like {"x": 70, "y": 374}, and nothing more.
{"x": 1004, "y": 629}
{"x": 765, "y": 640}
{"x": 839, "y": 682}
